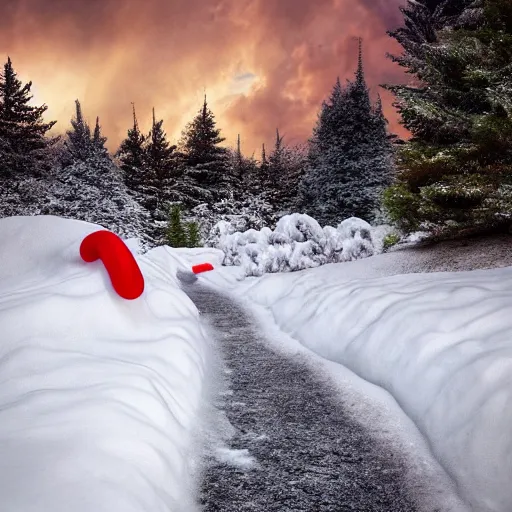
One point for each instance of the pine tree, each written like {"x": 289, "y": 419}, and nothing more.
{"x": 79, "y": 140}
{"x": 454, "y": 173}
{"x": 176, "y": 236}
{"x": 423, "y": 19}
{"x": 161, "y": 165}
{"x": 286, "y": 166}
{"x": 295, "y": 166}
{"x": 89, "y": 158}
{"x": 98, "y": 140}
{"x": 132, "y": 157}
{"x": 430, "y": 106}
{"x": 243, "y": 170}
{"x": 263, "y": 171}
{"x": 275, "y": 168}
{"x": 349, "y": 161}
{"x": 23, "y": 145}
{"x": 90, "y": 186}
{"x": 193, "y": 236}
{"x": 239, "y": 161}
{"x": 207, "y": 174}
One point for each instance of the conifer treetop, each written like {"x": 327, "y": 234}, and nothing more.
{"x": 22, "y": 128}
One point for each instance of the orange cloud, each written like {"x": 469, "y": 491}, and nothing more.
{"x": 263, "y": 63}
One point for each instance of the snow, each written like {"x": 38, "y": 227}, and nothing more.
{"x": 297, "y": 242}
{"x": 237, "y": 458}
{"x": 100, "y": 397}
{"x": 438, "y": 343}
{"x": 116, "y": 396}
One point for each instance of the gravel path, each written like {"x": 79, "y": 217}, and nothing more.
{"x": 311, "y": 456}
{"x": 482, "y": 252}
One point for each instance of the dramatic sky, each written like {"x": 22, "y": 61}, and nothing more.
{"x": 263, "y": 63}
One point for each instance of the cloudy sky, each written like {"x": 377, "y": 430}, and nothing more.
{"x": 262, "y": 63}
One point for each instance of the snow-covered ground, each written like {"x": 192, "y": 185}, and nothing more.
{"x": 101, "y": 398}
{"x": 439, "y": 343}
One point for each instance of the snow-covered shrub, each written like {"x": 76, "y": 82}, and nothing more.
{"x": 240, "y": 216}
{"x": 277, "y": 238}
{"x": 297, "y": 242}
{"x": 333, "y": 248}
{"x": 300, "y": 228}
{"x": 353, "y": 226}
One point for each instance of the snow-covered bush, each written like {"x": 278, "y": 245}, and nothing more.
{"x": 240, "y": 216}
{"x": 297, "y": 242}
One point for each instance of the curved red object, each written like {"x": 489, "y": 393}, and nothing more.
{"x": 120, "y": 263}
{"x": 202, "y": 267}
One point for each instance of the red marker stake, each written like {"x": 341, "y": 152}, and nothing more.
{"x": 121, "y": 266}
{"x": 202, "y": 267}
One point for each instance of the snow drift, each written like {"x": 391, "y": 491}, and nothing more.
{"x": 441, "y": 344}
{"x": 297, "y": 242}
{"x": 100, "y": 397}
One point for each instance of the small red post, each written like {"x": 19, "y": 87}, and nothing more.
{"x": 202, "y": 267}
{"x": 120, "y": 263}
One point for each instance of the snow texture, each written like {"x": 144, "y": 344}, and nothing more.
{"x": 439, "y": 343}
{"x": 101, "y": 398}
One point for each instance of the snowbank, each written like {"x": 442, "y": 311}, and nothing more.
{"x": 441, "y": 344}
{"x": 298, "y": 242}
{"x": 100, "y": 397}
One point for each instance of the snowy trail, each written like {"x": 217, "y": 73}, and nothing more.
{"x": 310, "y": 454}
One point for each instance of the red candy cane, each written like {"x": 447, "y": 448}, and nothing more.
{"x": 202, "y": 267}
{"x": 121, "y": 266}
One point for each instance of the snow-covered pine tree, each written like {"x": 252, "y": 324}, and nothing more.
{"x": 295, "y": 161}
{"x": 286, "y": 166}
{"x": 325, "y": 151}
{"x": 454, "y": 173}
{"x": 24, "y": 148}
{"x": 90, "y": 187}
{"x": 429, "y": 106}
{"x": 263, "y": 172}
{"x": 98, "y": 140}
{"x": 243, "y": 170}
{"x": 162, "y": 169}
{"x": 423, "y": 19}
{"x": 275, "y": 171}
{"x": 79, "y": 140}
{"x": 238, "y": 164}
{"x": 207, "y": 174}
{"x": 418, "y": 30}
{"x": 350, "y": 155}
{"x": 131, "y": 155}
{"x": 251, "y": 182}
{"x": 93, "y": 191}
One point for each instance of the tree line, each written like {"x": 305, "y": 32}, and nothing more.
{"x": 454, "y": 173}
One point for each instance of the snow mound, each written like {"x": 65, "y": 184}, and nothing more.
{"x": 439, "y": 343}
{"x": 298, "y": 242}
{"x": 237, "y": 458}
{"x": 101, "y": 397}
